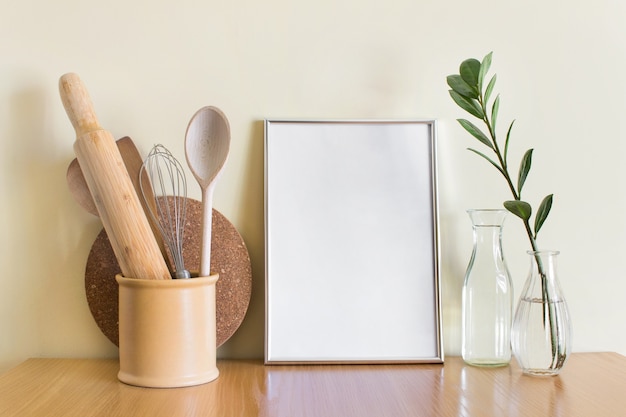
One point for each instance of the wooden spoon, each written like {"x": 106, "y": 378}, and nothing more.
{"x": 78, "y": 187}
{"x": 133, "y": 161}
{"x": 207, "y": 143}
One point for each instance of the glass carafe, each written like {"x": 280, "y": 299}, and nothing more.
{"x": 487, "y": 294}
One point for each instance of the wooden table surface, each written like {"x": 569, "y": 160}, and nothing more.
{"x": 591, "y": 385}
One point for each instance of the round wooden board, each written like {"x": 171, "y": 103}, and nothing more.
{"x": 229, "y": 257}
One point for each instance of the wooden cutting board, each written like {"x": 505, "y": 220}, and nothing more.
{"x": 229, "y": 257}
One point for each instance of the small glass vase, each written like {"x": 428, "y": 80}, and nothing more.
{"x": 487, "y": 300}
{"x": 541, "y": 334}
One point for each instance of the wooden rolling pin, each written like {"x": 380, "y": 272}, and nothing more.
{"x": 118, "y": 205}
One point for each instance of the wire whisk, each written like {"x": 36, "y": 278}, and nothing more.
{"x": 169, "y": 209}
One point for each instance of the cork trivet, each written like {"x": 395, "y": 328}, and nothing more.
{"x": 229, "y": 257}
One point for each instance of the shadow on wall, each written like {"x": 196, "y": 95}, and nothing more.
{"x": 451, "y": 281}
{"x": 33, "y": 240}
{"x": 248, "y": 340}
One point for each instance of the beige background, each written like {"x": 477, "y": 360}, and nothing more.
{"x": 149, "y": 65}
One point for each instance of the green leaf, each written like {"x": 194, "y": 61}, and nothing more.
{"x": 488, "y": 159}
{"x": 520, "y": 208}
{"x": 469, "y": 105}
{"x": 494, "y": 112}
{"x": 524, "y": 169}
{"x": 506, "y": 142}
{"x": 469, "y": 71}
{"x": 475, "y": 131}
{"x": 542, "y": 213}
{"x": 489, "y": 88}
{"x": 484, "y": 68}
{"x": 460, "y": 86}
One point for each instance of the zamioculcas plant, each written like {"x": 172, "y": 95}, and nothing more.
{"x": 469, "y": 91}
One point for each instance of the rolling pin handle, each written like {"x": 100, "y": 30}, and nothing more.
{"x": 78, "y": 105}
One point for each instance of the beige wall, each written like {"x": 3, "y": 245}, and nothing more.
{"x": 150, "y": 65}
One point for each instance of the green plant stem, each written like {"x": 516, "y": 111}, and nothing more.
{"x": 501, "y": 160}
{"x": 548, "y": 313}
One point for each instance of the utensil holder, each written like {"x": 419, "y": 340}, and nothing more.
{"x": 167, "y": 331}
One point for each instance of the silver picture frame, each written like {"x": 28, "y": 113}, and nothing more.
{"x": 351, "y": 242}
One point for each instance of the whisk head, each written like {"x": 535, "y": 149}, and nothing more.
{"x": 168, "y": 210}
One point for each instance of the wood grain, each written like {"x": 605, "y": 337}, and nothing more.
{"x": 592, "y": 384}
{"x": 111, "y": 187}
{"x": 133, "y": 162}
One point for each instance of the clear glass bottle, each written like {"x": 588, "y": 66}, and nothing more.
{"x": 487, "y": 300}
{"x": 542, "y": 332}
